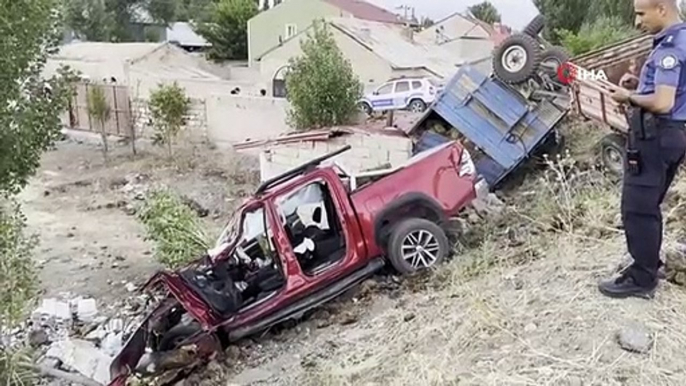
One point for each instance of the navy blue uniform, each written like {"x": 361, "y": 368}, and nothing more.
{"x": 660, "y": 152}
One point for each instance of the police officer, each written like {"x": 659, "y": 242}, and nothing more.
{"x": 656, "y": 145}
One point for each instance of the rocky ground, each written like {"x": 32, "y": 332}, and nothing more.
{"x": 517, "y": 304}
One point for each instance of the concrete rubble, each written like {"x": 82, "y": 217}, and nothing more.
{"x": 72, "y": 334}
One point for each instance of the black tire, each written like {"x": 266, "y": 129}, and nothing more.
{"x": 554, "y": 54}
{"x": 177, "y": 334}
{"x": 524, "y": 43}
{"x": 366, "y": 108}
{"x": 405, "y": 233}
{"x": 612, "y": 151}
{"x": 419, "y": 104}
{"x": 535, "y": 26}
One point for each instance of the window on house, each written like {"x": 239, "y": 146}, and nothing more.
{"x": 291, "y": 30}
{"x": 402, "y": 86}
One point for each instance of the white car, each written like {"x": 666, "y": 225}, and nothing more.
{"x": 413, "y": 94}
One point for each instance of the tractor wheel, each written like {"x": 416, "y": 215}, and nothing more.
{"x": 535, "y": 26}
{"x": 517, "y": 58}
{"x": 552, "y": 58}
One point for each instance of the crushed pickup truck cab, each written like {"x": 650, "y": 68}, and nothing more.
{"x": 302, "y": 239}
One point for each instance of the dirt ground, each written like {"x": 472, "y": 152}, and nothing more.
{"x": 81, "y": 210}
{"x": 519, "y": 308}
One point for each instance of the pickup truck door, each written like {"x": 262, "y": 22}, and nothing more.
{"x": 318, "y": 210}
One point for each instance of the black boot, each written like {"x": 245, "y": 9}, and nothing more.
{"x": 626, "y": 286}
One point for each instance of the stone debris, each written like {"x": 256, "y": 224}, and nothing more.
{"x": 83, "y": 357}
{"x": 635, "y": 338}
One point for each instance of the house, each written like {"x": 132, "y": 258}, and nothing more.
{"x": 377, "y": 52}
{"x": 285, "y": 20}
{"x": 183, "y": 35}
{"x": 372, "y": 147}
{"x": 465, "y": 36}
{"x": 140, "y": 66}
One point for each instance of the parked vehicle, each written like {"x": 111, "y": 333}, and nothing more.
{"x": 413, "y": 94}
{"x": 302, "y": 239}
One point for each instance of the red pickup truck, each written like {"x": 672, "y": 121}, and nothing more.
{"x": 304, "y": 238}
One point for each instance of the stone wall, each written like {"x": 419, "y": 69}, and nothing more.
{"x": 196, "y": 122}
{"x": 368, "y": 151}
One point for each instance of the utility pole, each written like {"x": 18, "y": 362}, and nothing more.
{"x": 405, "y": 9}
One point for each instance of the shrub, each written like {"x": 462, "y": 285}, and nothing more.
{"x": 176, "y": 231}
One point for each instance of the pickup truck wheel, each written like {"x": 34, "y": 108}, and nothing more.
{"x": 177, "y": 334}
{"x": 416, "y": 244}
{"x": 517, "y": 58}
{"x": 612, "y": 148}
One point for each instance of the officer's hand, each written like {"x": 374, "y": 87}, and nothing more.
{"x": 620, "y": 95}
{"x": 629, "y": 81}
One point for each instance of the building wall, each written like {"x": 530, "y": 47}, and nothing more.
{"x": 196, "y": 120}
{"x": 265, "y": 28}
{"x": 232, "y": 118}
{"x": 453, "y": 27}
{"x": 369, "y": 67}
{"x": 172, "y": 64}
{"x": 369, "y": 151}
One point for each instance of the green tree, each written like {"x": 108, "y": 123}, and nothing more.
{"x": 100, "y": 110}
{"x": 193, "y": 10}
{"x": 164, "y": 11}
{"x": 601, "y": 32}
{"x": 30, "y": 111}
{"x": 30, "y": 107}
{"x": 169, "y": 107}
{"x": 322, "y": 87}
{"x": 682, "y": 9}
{"x": 568, "y": 15}
{"x": 226, "y": 28}
{"x": 485, "y": 12}
{"x": 89, "y": 19}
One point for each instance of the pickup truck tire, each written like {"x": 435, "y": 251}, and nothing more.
{"x": 535, "y": 26}
{"x": 612, "y": 150}
{"x": 416, "y": 244}
{"x": 517, "y": 58}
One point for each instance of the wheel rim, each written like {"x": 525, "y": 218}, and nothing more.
{"x": 420, "y": 249}
{"x": 416, "y": 107}
{"x": 613, "y": 159}
{"x": 514, "y": 59}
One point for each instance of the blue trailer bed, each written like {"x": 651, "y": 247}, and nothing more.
{"x": 506, "y": 126}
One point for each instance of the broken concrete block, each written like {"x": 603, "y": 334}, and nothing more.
{"x": 83, "y": 357}
{"x": 52, "y": 308}
{"x": 112, "y": 343}
{"x": 86, "y": 310}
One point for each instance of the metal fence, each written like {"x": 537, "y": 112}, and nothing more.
{"x": 120, "y": 122}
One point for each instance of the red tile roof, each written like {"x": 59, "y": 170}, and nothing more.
{"x": 366, "y": 11}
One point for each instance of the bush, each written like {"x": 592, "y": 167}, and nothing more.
{"x": 18, "y": 279}
{"x": 169, "y": 107}
{"x": 176, "y": 231}
{"x": 321, "y": 84}
{"x": 599, "y": 33}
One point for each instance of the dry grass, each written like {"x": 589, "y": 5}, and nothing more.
{"x": 521, "y": 307}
